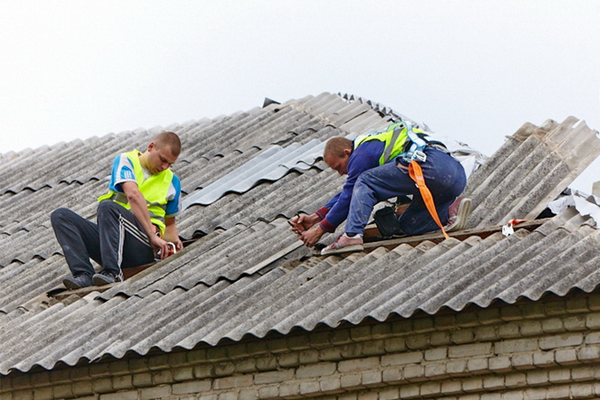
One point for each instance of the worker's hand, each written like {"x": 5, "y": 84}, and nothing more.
{"x": 159, "y": 245}
{"x": 172, "y": 234}
{"x": 311, "y": 237}
{"x": 178, "y": 243}
{"x": 302, "y": 222}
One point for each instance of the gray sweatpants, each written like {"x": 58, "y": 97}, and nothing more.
{"x": 116, "y": 241}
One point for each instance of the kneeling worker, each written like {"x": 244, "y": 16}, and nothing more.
{"x": 379, "y": 166}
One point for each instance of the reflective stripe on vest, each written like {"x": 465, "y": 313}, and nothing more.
{"x": 154, "y": 189}
{"x": 394, "y": 138}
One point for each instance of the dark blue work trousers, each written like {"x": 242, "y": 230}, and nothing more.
{"x": 444, "y": 176}
{"x": 116, "y": 241}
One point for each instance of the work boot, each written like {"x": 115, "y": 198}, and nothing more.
{"x": 106, "y": 278}
{"x": 343, "y": 244}
{"x": 458, "y": 214}
{"x": 77, "y": 281}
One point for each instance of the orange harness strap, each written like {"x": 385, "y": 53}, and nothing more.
{"x": 416, "y": 173}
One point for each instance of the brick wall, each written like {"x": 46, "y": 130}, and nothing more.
{"x": 534, "y": 350}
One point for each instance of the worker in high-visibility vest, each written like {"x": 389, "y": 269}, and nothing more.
{"x": 377, "y": 166}
{"x": 135, "y": 219}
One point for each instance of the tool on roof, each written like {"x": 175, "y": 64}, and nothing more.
{"x": 297, "y": 227}
{"x": 171, "y": 249}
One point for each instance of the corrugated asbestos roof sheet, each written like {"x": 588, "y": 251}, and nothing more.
{"x": 269, "y": 165}
{"x": 530, "y": 170}
{"x": 247, "y": 274}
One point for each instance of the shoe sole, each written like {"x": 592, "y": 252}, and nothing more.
{"x": 71, "y": 285}
{"x": 355, "y": 247}
{"x": 100, "y": 281}
{"x": 464, "y": 210}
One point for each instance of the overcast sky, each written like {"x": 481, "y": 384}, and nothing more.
{"x": 473, "y": 70}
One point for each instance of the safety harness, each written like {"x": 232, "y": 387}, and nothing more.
{"x": 413, "y": 156}
{"x": 403, "y": 140}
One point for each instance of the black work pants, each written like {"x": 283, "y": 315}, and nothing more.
{"x": 116, "y": 241}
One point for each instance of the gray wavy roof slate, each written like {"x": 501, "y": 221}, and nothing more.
{"x": 247, "y": 275}
{"x": 531, "y": 169}
{"x": 428, "y": 277}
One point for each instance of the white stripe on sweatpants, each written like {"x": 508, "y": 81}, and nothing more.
{"x": 127, "y": 226}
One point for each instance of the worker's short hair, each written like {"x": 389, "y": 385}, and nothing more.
{"x": 336, "y": 146}
{"x": 168, "y": 139}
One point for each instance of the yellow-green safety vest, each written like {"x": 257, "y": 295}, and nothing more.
{"x": 394, "y": 138}
{"x": 154, "y": 189}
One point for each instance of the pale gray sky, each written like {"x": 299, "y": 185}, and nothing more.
{"x": 473, "y": 70}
